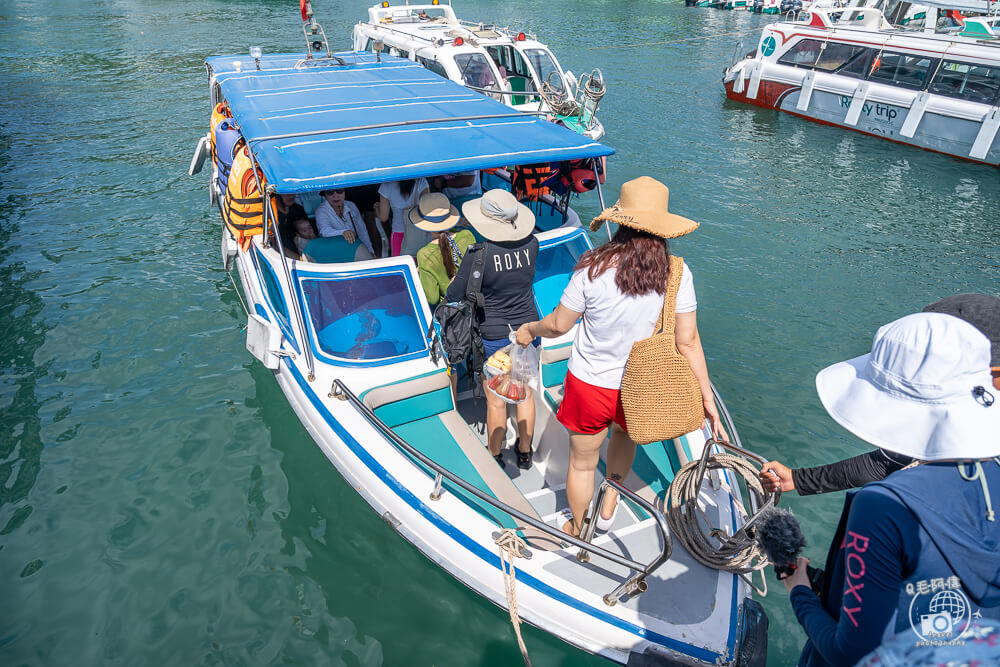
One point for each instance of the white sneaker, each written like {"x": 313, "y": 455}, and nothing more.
{"x": 605, "y": 524}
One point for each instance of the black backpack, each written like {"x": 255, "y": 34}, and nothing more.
{"x": 460, "y": 336}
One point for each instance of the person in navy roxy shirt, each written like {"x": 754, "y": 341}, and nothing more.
{"x": 916, "y": 556}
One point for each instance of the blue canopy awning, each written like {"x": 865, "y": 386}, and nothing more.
{"x": 316, "y": 128}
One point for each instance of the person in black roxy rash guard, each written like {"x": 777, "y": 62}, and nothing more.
{"x": 981, "y": 311}
{"x": 508, "y": 293}
{"x": 915, "y": 556}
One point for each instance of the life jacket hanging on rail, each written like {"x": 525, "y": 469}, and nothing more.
{"x": 528, "y": 179}
{"x": 219, "y": 114}
{"x": 243, "y": 208}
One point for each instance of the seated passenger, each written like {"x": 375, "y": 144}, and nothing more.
{"x": 338, "y": 217}
{"x": 438, "y": 261}
{"x": 395, "y": 199}
{"x": 305, "y": 231}
{"x": 463, "y": 186}
{"x": 288, "y": 211}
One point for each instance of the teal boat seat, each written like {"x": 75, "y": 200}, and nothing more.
{"x": 421, "y": 411}
{"x": 332, "y": 250}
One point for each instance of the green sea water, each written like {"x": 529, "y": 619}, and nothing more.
{"x": 159, "y": 501}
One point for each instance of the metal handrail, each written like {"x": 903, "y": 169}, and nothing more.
{"x": 340, "y": 390}
{"x": 637, "y": 582}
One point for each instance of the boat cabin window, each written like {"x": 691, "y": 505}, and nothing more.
{"x": 546, "y": 68}
{"x": 902, "y": 69}
{"x": 838, "y": 57}
{"x": 433, "y": 66}
{"x": 802, "y": 54}
{"x": 475, "y": 70}
{"x": 975, "y": 83}
{"x": 364, "y": 316}
{"x": 508, "y": 57}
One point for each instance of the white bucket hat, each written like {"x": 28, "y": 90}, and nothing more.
{"x": 498, "y": 216}
{"x": 924, "y": 391}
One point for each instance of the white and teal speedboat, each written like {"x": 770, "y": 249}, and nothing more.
{"x": 348, "y": 344}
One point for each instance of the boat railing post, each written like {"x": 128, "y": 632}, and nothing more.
{"x": 436, "y": 493}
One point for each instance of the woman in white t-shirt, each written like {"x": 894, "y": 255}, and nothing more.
{"x": 618, "y": 290}
{"x": 395, "y": 199}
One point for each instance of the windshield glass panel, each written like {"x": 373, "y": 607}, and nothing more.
{"x": 364, "y": 317}
{"x": 544, "y": 65}
{"x": 475, "y": 70}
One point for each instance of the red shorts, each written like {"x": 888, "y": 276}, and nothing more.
{"x": 589, "y": 409}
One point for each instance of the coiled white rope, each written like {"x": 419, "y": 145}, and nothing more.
{"x": 511, "y": 547}
{"x": 714, "y": 547}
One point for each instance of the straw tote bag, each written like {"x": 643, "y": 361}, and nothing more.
{"x": 660, "y": 394}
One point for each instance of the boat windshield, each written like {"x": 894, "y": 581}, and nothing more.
{"x": 363, "y": 317}
{"x": 475, "y": 70}
{"x": 545, "y": 65}
{"x": 554, "y": 267}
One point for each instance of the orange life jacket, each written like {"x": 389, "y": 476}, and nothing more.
{"x": 220, "y": 112}
{"x": 528, "y": 179}
{"x": 243, "y": 208}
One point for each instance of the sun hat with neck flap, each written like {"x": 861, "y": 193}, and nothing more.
{"x": 434, "y": 213}
{"x": 924, "y": 391}
{"x": 499, "y": 217}
{"x": 642, "y": 204}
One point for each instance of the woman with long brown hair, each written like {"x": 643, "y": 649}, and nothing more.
{"x": 617, "y": 290}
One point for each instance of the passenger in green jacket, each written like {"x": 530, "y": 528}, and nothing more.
{"x": 438, "y": 261}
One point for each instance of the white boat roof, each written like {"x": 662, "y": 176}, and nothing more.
{"x": 441, "y": 30}
{"x": 875, "y": 30}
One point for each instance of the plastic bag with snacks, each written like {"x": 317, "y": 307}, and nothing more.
{"x": 510, "y": 371}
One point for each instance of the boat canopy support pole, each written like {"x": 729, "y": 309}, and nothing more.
{"x": 600, "y": 198}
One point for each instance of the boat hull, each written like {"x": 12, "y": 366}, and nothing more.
{"x": 936, "y": 132}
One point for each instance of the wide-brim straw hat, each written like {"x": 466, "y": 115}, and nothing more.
{"x": 434, "y": 213}
{"x": 498, "y": 216}
{"x": 642, "y": 205}
{"x": 924, "y": 391}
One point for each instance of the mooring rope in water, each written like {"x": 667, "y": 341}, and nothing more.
{"x": 739, "y": 554}
{"x": 511, "y": 547}
{"x": 240, "y": 296}
{"x": 676, "y": 41}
